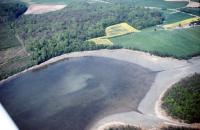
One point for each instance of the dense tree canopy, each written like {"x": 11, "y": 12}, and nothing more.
{"x": 52, "y": 34}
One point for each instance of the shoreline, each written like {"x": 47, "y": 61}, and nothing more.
{"x": 101, "y": 53}
{"x": 150, "y": 116}
{"x": 169, "y": 70}
{"x": 46, "y": 63}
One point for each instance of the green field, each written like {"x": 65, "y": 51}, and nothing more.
{"x": 160, "y": 3}
{"x": 152, "y": 3}
{"x": 175, "y": 17}
{"x": 180, "y": 44}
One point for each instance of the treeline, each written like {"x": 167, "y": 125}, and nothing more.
{"x": 53, "y": 34}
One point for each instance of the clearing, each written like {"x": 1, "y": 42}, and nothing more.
{"x": 194, "y": 4}
{"x": 40, "y": 9}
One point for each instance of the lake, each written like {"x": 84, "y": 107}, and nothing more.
{"x": 74, "y": 93}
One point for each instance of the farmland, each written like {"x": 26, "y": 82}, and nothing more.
{"x": 176, "y": 17}
{"x": 67, "y": 30}
{"x": 113, "y": 31}
{"x": 119, "y": 29}
{"x": 180, "y": 44}
{"x": 56, "y": 43}
{"x": 101, "y": 40}
{"x": 181, "y": 23}
{"x": 161, "y": 3}
{"x": 152, "y": 3}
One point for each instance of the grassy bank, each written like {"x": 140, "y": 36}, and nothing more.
{"x": 182, "y": 101}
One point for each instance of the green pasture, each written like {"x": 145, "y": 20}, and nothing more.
{"x": 160, "y": 3}
{"x": 176, "y": 17}
{"x": 182, "y": 43}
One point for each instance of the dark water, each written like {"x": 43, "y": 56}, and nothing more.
{"x": 71, "y": 94}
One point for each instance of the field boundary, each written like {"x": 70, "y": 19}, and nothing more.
{"x": 181, "y": 24}
{"x": 114, "y": 31}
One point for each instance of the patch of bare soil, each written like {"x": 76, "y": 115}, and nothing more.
{"x": 193, "y": 4}
{"x": 40, "y": 9}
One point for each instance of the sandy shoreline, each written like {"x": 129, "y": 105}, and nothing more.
{"x": 152, "y": 116}
{"x": 169, "y": 71}
{"x": 123, "y": 55}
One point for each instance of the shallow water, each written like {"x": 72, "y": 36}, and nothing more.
{"x": 72, "y": 94}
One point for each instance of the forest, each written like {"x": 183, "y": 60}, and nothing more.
{"x": 65, "y": 31}
{"x": 48, "y": 35}
{"x": 182, "y": 100}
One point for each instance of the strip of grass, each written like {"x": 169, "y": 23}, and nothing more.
{"x": 181, "y": 44}
{"x": 182, "y": 101}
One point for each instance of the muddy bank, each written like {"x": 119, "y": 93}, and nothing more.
{"x": 73, "y": 93}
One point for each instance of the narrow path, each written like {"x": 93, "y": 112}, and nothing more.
{"x": 21, "y": 42}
